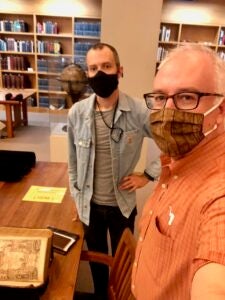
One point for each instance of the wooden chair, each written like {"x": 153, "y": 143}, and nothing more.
{"x": 120, "y": 265}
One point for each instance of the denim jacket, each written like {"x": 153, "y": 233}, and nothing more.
{"x": 133, "y": 117}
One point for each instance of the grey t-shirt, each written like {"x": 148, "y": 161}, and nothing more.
{"x": 103, "y": 181}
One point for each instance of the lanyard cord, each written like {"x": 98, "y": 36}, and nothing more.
{"x": 114, "y": 113}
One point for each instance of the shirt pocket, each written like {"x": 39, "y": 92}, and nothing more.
{"x": 83, "y": 149}
{"x": 160, "y": 257}
{"x": 130, "y": 140}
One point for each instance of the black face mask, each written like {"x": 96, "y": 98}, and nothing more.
{"x": 103, "y": 84}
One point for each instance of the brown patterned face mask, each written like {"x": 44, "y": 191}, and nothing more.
{"x": 176, "y": 132}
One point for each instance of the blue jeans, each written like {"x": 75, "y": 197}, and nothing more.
{"x": 102, "y": 219}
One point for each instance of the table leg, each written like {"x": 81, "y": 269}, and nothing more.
{"x": 9, "y": 121}
{"x": 24, "y": 110}
{"x": 17, "y": 115}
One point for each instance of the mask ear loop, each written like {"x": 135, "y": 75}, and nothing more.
{"x": 208, "y": 112}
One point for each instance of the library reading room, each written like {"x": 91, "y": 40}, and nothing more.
{"x": 112, "y": 160}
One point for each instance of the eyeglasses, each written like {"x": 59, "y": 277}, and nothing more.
{"x": 116, "y": 134}
{"x": 182, "y": 101}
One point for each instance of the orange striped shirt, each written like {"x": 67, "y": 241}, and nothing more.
{"x": 182, "y": 225}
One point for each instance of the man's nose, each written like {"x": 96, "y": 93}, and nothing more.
{"x": 170, "y": 103}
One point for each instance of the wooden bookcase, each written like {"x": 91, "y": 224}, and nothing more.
{"x": 35, "y": 48}
{"x": 175, "y": 34}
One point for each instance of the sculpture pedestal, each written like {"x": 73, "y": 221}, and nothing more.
{"x": 58, "y": 143}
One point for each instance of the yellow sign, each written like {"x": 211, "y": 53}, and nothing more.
{"x": 45, "y": 194}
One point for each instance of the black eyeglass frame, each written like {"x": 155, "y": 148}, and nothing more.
{"x": 199, "y": 95}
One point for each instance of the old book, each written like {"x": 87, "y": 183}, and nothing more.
{"x": 25, "y": 255}
{"x": 63, "y": 240}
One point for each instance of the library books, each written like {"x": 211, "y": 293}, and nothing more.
{"x": 222, "y": 37}
{"x": 13, "y": 26}
{"x": 14, "y": 62}
{"x": 12, "y": 81}
{"x": 25, "y": 255}
{"x": 164, "y": 34}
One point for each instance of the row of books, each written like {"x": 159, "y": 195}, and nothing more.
{"x": 15, "y": 81}
{"x": 54, "y": 47}
{"x": 48, "y": 27}
{"x": 49, "y": 47}
{"x": 55, "y": 65}
{"x": 161, "y": 53}
{"x": 222, "y": 54}
{"x": 14, "y": 62}
{"x": 221, "y": 37}
{"x": 165, "y": 33}
{"x": 81, "y": 48}
{"x": 80, "y": 60}
{"x": 13, "y": 26}
{"x": 10, "y": 44}
{"x": 47, "y": 101}
{"x": 87, "y": 28}
{"x": 49, "y": 84}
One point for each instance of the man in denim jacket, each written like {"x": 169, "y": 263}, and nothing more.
{"x": 105, "y": 136}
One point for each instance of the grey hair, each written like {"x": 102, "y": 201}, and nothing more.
{"x": 218, "y": 62}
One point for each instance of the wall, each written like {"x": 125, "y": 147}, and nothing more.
{"x": 90, "y": 8}
{"x": 196, "y": 11}
{"x": 133, "y": 28}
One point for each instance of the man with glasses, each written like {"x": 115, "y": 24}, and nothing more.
{"x": 106, "y": 133}
{"x": 181, "y": 247}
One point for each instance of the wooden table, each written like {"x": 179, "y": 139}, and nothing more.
{"x": 15, "y": 212}
{"x": 18, "y": 107}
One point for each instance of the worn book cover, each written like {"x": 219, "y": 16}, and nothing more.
{"x": 25, "y": 255}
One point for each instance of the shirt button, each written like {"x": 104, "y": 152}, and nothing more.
{"x": 151, "y": 212}
{"x": 135, "y": 264}
{"x": 133, "y": 286}
{"x": 175, "y": 177}
{"x": 140, "y": 239}
{"x": 164, "y": 186}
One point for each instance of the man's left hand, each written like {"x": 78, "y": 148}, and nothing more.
{"x": 133, "y": 182}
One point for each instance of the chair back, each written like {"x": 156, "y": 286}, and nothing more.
{"x": 120, "y": 274}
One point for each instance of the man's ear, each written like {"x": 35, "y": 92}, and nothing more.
{"x": 120, "y": 72}
{"x": 222, "y": 107}
{"x": 221, "y": 116}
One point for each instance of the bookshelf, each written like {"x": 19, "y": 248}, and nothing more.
{"x": 34, "y": 49}
{"x": 175, "y": 34}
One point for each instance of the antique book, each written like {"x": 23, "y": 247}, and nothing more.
{"x": 63, "y": 240}
{"x": 25, "y": 255}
